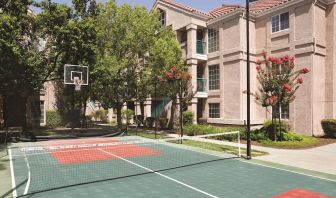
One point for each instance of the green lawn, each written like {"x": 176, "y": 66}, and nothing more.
{"x": 306, "y": 142}
{"x": 147, "y": 135}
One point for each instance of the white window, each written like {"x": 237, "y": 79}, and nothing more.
{"x": 283, "y": 112}
{"x": 214, "y": 110}
{"x": 213, "y": 41}
{"x": 214, "y": 76}
{"x": 38, "y": 112}
{"x": 162, "y": 17}
{"x": 42, "y": 116}
{"x": 280, "y": 22}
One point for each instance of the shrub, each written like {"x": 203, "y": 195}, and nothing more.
{"x": 291, "y": 136}
{"x": 138, "y": 119}
{"x": 329, "y": 127}
{"x": 187, "y": 117}
{"x": 127, "y": 113}
{"x": 269, "y": 128}
{"x": 163, "y": 122}
{"x": 258, "y": 135}
{"x": 150, "y": 122}
{"x": 54, "y": 119}
{"x": 100, "y": 115}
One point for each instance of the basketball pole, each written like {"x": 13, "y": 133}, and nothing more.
{"x": 181, "y": 113}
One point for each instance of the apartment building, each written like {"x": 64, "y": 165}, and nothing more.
{"x": 214, "y": 46}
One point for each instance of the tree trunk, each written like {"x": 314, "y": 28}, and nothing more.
{"x": 84, "y": 112}
{"x": 274, "y": 124}
{"x": 280, "y": 132}
{"x": 142, "y": 111}
{"x": 119, "y": 119}
{"x": 172, "y": 114}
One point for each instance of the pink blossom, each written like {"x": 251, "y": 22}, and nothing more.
{"x": 258, "y": 68}
{"x": 173, "y": 68}
{"x": 299, "y": 80}
{"x": 271, "y": 100}
{"x": 292, "y": 65}
{"x": 169, "y": 75}
{"x": 292, "y": 60}
{"x": 287, "y": 88}
{"x": 305, "y": 70}
{"x": 258, "y": 62}
{"x": 264, "y": 53}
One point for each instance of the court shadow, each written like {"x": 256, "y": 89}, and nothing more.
{"x": 16, "y": 187}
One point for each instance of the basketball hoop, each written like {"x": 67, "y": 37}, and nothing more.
{"x": 78, "y": 83}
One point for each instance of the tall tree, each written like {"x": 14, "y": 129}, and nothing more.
{"x": 71, "y": 36}
{"x": 165, "y": 53}
{"x": 125, "y": 36}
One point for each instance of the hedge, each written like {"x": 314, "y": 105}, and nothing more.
{"x": 329, "y": 127}
{"x": 54, "y": 119}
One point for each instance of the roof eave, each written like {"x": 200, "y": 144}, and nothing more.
{"x": 278, "y": 7}
{"x": 202, "y": 16}
{"x": 225, "y": 16}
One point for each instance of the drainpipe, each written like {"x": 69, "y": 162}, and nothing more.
{"x": 312, "y": 94}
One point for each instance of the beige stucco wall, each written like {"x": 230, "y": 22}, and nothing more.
{"x": 311, "y": 38}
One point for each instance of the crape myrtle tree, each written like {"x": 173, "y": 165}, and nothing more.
{"x": 279, "y": 80}
{"x": 70, "y": 36}
{"x": 165, "y": 53}
{"x": 177, "y": 85}
{"x": 125, "y": 35}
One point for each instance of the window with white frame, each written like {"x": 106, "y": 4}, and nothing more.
{"x": 214, "y": 76}
{"x": 214, "y": 110}
{"x": 282, "y": 111}
{"x": 42, "y": 121}
{"x": 280, "y": 22}
{"x": 162, "y": 17}
{"x": 213, "y": 41}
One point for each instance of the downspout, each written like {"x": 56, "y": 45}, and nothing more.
{"x": 312, "y": 94}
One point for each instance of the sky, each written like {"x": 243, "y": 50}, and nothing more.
{"x": 204, "y": 5}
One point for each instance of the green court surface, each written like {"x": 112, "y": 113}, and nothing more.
{"x": 131, "y": 167}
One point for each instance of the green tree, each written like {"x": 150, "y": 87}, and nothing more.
{"x": 125, "y": 36}
{"x": 70, "y": 36}
{"x": 22, "y": 61}
{"x": 279, "y": 82}
{"x": 166, "y": 53}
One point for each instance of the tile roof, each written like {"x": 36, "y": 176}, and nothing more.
{"x": 262, "y": 5}
{"x": 185, "y": 7}
{"x": 223, "y": 9}
{"x": 256, "y": 7}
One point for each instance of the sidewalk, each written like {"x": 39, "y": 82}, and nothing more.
{"x": 321, "y": 159}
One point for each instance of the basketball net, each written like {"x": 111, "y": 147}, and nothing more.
{"x": 78, "y": 83}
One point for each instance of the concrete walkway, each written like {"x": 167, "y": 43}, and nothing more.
{"x": 321, "y": 159}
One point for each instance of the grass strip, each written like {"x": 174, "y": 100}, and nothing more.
{"x": 220, "y": 148}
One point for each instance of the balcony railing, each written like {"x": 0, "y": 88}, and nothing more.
{"x": 200, "y": 47}
{"x": 201, "y": 85}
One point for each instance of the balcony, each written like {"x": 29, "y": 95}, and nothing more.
{"x": 201, "y": 50}
{"x": 201, "y": 88}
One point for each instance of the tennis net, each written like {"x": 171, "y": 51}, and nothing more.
{"x": 66, "y": 163}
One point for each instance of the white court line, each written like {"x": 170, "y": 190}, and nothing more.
{"x": 12, "y": 173}
{"x": 242, "y": 160}
{"x": 288, "y": 171}
{"x": 28, "y": 182}
{"x": 162, "y": 175}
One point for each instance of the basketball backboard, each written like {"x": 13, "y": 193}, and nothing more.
{"x": 75, "y": 72}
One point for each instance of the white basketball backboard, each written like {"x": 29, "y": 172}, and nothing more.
{"x": 72, "y": 71}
